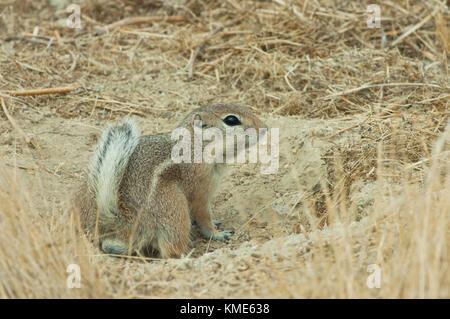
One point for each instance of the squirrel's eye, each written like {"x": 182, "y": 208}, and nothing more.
{"x": 231, "y": 120}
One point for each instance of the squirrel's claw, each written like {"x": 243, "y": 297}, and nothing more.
{"x": 222, "y": 235}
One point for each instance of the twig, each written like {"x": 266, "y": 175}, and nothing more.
{"x": 35, "y": 40}
{"x": 40, "y": 91}
{"x": 369, "y": 45}
{"x": 27, "y": 139}
{"x": 368, "y": 86}
{"x": 41, "y": 39}
{"x": 211, "y": 36}
{"x": 199, "y": 46}
{"x": 434, "y": 99}
{"x": 89, "y": 19}
{"x": 21, "y": 167}
{"x": 291, "y": 69}
{"x": 139, "y": 20}
{"x": 129, "y": 110}
{"x": 74, "y": 62}
{"x": 57, "y": 37}
{"x": 349, "y": 128}
{"x": 198, "y": 49}
{"x": 219, "y": 60}
{"x": 414, "y": 28}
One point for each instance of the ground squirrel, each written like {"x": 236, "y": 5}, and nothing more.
{"x": 136, "y": 199}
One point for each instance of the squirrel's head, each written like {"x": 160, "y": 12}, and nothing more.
{"x": 231, "y": 121}
{"x": 224, "y": 116}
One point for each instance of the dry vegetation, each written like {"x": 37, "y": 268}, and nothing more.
{"x": 364, "y": 130}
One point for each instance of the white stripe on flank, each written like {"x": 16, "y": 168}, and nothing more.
{"x": 161, "y": 167}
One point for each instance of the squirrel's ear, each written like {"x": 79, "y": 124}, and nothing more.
{"x": 197, "y": 121}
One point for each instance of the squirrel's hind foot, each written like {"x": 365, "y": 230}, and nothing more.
{"x": 114, "y": 247}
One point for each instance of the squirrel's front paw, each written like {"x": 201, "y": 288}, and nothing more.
{"x": 222, "y": 235}
{"x": 216, "y": 222}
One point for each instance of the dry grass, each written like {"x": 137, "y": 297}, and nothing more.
{"x": 379, "y": 99}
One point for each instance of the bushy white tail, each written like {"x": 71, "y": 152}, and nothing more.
{"x": 107, "y": 166}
